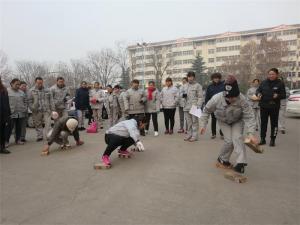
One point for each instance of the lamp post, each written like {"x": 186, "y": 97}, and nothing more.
{"x": 143, "y": 45}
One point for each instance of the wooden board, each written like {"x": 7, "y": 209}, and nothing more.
{"x": 99, "y": 166}
{"x": 235, "y": 177}
{"x": 45, "y": 153}
{"x": 255, "y": 147}
{"x": 221, "y": 166}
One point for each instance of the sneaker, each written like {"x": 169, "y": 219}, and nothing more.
{"x": 187, "y": 138}
{"x": 155, "y": 133}
{"x": 240, "y": 167}
{"x": 193, "y": 139}
{"x": 124, "y": 152}
{"x": 283, "y": 131}
{"x": 167, "y": 132}
{"x": 272, "y": 143}
{"x": 213, "y": 136}
{"x": 171, "y": 132}
{"x": 39, "y": 139}
{"x": 262, "y": 141}
{"x": 146, "y": 131}
{"x": 20, "y": 143}
{"x": 224, "y": 163}
{"x": 180, "y": 131}
{"x": 106, "y": 160}
{"x": 4, "y": 151}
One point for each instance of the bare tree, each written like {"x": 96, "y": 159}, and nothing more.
{"x": 29, "y": 70}
{"x": 122, "y": 60}
{"x": 80, "y": 72}
{"x": 103, "y": 66}
{"x": 4, "y": 69}
{"x": 160, "y": 63}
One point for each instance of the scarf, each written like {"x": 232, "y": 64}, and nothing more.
{"x": 150, "y": 91}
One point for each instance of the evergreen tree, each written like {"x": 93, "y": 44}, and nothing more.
{"x": 125, "y": 79}
{"x": 199, "y": 67}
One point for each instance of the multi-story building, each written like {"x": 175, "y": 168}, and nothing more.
{"x": 174, "y": 58}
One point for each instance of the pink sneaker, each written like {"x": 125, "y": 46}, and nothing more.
{"x": 105, "y": 160}
{"x": 124, "y": 152}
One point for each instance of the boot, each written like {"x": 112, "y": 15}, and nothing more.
{"x": 262, "y": 141}
{"x": 240, "y": 167}
{"x": 272, "y": 142}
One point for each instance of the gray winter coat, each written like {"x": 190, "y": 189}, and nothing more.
{"x": 60, "y": 97}
{"x": 40, "y": 100}
{"x": 17, "y": 103}
{"x": 252, "y": 91}
{"x": 134, "y": 101}
{"x": 169, "y": 97}
{"x": 99, "y": 95}
{"x": 229, "y": 114}
{"x": 194, "y": 95}
{"x": 182, "y": 90}
{"x": 152, "y": 106}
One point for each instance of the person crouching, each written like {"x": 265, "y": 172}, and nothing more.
{"x": 62, "y": 129}
{"x": 123, "y": 134}
{"x": 233, "y": 113}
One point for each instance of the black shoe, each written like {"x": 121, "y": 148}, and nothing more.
{"x": 23, "y": 140}
{"x": 272, "y": 143}
{"x": 283, "y": 131}
{"x": 213, "y": 136}
{"x": 39, "y": 139}
{"x": 81, "y": 129}
{"x": 4, "y": 151}
{"x": 225, "y": 163}
{"x": 262, "y": 141}
{"x": 240, "y": 167}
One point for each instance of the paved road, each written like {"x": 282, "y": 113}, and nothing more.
{"x": 173, "y": 182}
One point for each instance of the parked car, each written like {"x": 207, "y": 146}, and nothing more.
{"x": 293, "y": 104}
{"x": 294, "y": 91}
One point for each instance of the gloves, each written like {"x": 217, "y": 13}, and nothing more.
{"x": 140, "y": 146}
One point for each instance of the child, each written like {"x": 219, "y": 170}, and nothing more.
{"x": 124, "y": 134}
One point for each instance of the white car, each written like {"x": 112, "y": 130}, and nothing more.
{"x": 293, "y": 104}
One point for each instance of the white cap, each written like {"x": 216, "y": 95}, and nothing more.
{"x": 72, "y": 124}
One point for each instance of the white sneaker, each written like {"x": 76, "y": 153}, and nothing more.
{"x": 146, "y": 131}
{"x": 155, "y": 134}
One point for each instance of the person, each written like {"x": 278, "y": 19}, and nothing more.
{"x": 113, "y": 109}
{"x": 41, "y": 104}
{"x": 253, "y": 101}
{"x": 152, "y": 107}
{"x": 122, "y": 104}
{"x": 4, "y": 117}
{"x": 193, "y": 95}
{"x": 181, "y": 105}
{"x": 18, "y": 107}
{"x": 270, "y": 92}
{"x": 169, "y": 99}
{"x": 61, "y": 96}
{"x": 123, "y": 134}
{"x": 62, "y": 129}
{"x": 82, "y": 104}
{"x": 97, "y": 97}
{"x": 216, "y": 86}
{"x": 134, "y": 101}
{"x": 23, "y": 87}
{"x": 233, "y": 113}
{"x": 282, "y": 110}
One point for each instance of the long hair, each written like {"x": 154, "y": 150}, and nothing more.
{"x": 2, "y": 87}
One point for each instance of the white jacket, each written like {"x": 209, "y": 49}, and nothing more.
{"x": 126, "y": 128}
{"x": 169, "y": 97}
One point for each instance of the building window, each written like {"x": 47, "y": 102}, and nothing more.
{"x": 211, "y": 42}
{"x": 211, "y": 51}
{"x": 177, "y": 62}
{"x": 222, "y": 49}
{"x": 188, "y": 44}
{"x": 289, "y": 32}
{"x": 177, "y": 53}
{"x": 211, "y": 60}
{"x": 292, "y": 53}
{"x": 198, "y": 43}
{"x": 191, "y": 52}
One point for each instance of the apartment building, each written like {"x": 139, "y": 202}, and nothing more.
{"x": 174, "y": 58}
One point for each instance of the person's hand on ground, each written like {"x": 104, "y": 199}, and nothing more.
{"x": 140, "y": 146}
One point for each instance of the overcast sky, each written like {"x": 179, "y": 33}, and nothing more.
{"x": 64, "y": 29}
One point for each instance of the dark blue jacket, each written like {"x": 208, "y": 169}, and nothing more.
{"x": 212, "y": 89}
{"x": 82, "y": 99}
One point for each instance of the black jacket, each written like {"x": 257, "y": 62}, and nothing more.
{"x": 82, "y": 99}
{"x": 60, "y": 125}
{"x": 267, "y": 89}
{"x": 213, "y": 89}
{"x": 4, "y": 107}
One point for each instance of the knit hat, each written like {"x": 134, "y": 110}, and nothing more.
{"x": 72, "y": 124}
{"x": 231, "y": 87}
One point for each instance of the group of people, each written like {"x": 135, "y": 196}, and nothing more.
{"x": 130, "y": 112}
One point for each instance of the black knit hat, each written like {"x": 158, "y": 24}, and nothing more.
{"x": 231, "y": 87}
